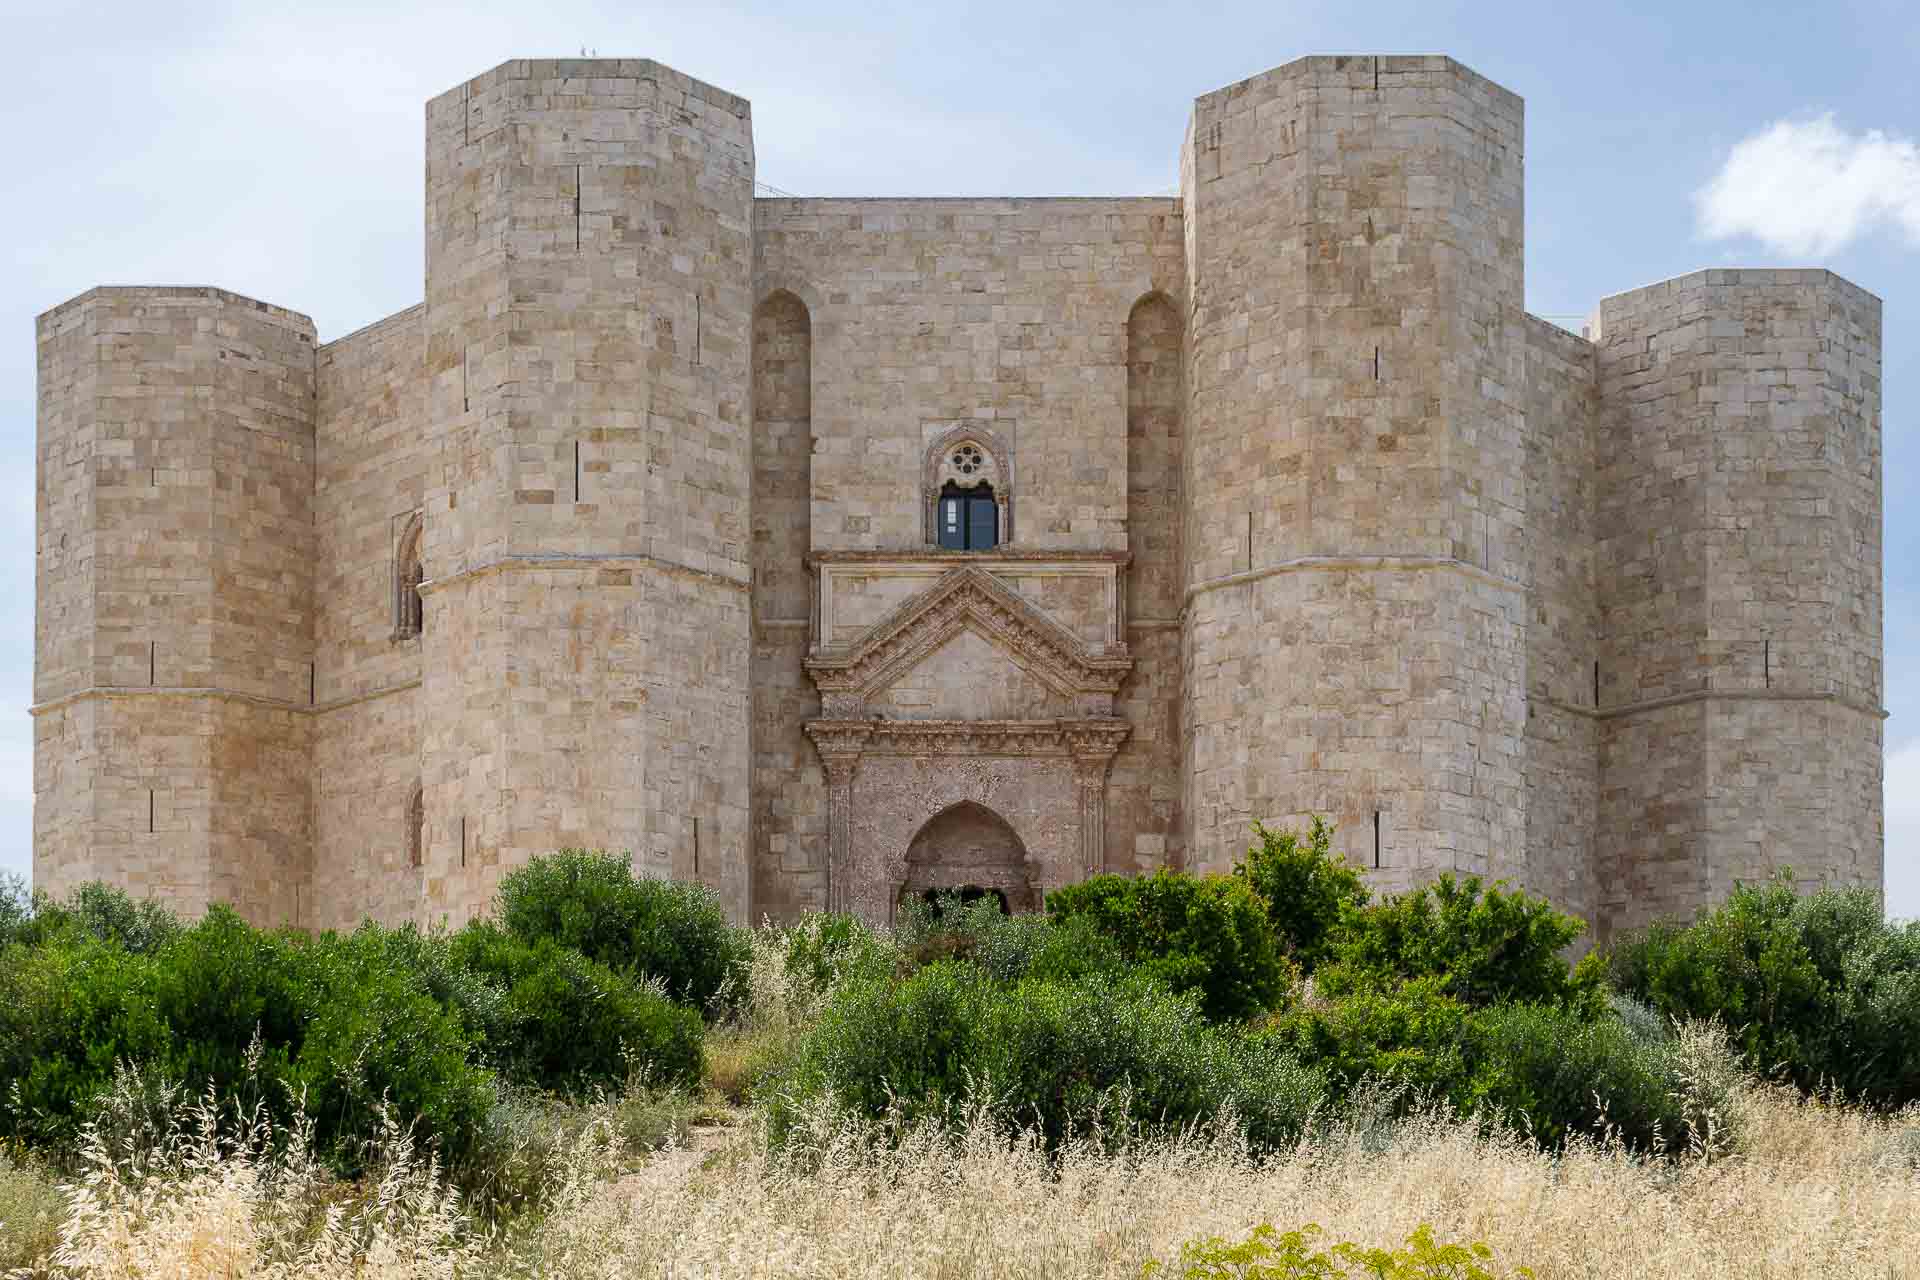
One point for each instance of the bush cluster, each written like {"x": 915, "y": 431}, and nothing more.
{"x": 1061, "y": 1055}
{"x": 1207, "y": 934}
{"x": 670, "y": 931}
{"x": 434, "y": 1026}
{"x": 1271, "y": 990}
{"x": 1818, "y": 989}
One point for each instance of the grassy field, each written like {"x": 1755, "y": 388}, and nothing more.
{"x": 1793, "y": 1188}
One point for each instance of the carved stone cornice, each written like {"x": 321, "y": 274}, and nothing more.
{"x": 839, "y": 743}
{"x": 946, "y": 555}
{"x": 1096, "y": 740}
{"x": 1093, "y": 740}
{"x": 966, "y": 598}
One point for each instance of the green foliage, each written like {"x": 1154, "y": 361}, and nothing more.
{"x": 370, "y": 1030}
{"x": 226, "y": 1006}
{"x": 1484, "y": 945}
{"x": 1267, "y": 1254}
{"x": 661, "y": 929}
{"x": 68, "y": 1010}
{"x": 1309, "y": 890}
{"x": 569, "y": 1024}
{"x": 1546, "y": 1069}
{"x": 1057, "y": 1055}
{"x": 1208, "y": 934}
{"x": 1556, "y": 1074}
{"x": 1819, "y": 989}
{"x": 16, "y": 908}
{"x": 1414, "y": 1034}
{"x": 94, "y": 910}
{"x": 1009, "y": 948}
{"x": 829, "y": 946}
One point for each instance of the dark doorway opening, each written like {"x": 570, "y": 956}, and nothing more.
{"x": 968, "y": 894}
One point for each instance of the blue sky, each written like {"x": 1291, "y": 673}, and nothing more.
{"x": 276, "y": 150}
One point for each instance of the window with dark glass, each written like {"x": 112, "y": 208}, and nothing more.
{"x": 969, "y": 518}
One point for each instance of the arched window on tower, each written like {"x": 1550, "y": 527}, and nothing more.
{"x": 416, "y": 828}
{"x": 409, "y": 609}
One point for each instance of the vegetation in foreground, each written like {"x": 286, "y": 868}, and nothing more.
{"x": 405, "y": 1102}
{"x": 1813, "y": 1190}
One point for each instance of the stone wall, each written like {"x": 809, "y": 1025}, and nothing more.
{"x": 928, "y": 313}
{"x": 1562, "y": 735}
{"x": 1356, "y": 574}
{"x": 588, "y": 320}
{"x": 176, "y": 495}
{"x": 1738, "y": 571}
{"x": 375, "y": 456}
{"x": 1301, "y": 515}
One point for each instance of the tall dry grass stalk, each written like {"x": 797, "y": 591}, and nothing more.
{"x": 1803, "y": 1190}
{"x": 1814, "y": 1191}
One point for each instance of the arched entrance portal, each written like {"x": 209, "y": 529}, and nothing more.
{"x": 969, "y": 847}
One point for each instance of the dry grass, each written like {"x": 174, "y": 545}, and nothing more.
{"x": 31, "y": 1208}
{"x": 1797, "y": 1189}
{"x": 1813, "y": 1191}
{"x": 1817, "y": 1192}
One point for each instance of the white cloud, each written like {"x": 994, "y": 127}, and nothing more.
{"x": 1808, "y": 188}
{"x": 1903, "y": 831}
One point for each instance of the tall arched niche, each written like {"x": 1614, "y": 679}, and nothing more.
{"x": 1155, "y": 396}
{"x": 782, "y": 455}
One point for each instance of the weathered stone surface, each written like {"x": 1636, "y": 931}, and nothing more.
{"x": 629, "y": 535}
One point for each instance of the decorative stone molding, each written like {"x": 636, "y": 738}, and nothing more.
{"x": 967, "y": 597}
{"x": 1066, "y": 757}
{"x": 841, "y": 743}
{"x": 967, "y": 454}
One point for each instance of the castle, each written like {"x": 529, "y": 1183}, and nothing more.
{"x": 832, "y": 550}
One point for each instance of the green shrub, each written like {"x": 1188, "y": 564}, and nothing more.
{"x": 372, "y": 1032}
{"x": 93, "y": 910}
{"x": 1820, "y": 989}
{"x": 254, "y": 1015}
{"x": 668, "y": 930}
{"x": 1309, "y": 890}
{"x": 1484, "y": 945}
{"x": 1208, "y": 934}
{"x": 1270, "y": 1255}
{"x": 217, "y": 984}
{"x": 1414, "y": 1034}
{"x": 570, "y": 1024}
{"x": 879, "y": 1039}
{"x": 1122, "y": 1051}
{"x": 1550, "y": 1070}
{"x": 828, "y": 947}
{"x": 1556, "y": 1074}
{"x": 16, "y": 909}
{"x": 105, "y": 912}
{"x": 69, "y": 1009}
{"x": 1010, "y": 948}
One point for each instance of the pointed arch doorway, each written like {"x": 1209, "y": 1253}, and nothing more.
{"x": 970, "y": 849}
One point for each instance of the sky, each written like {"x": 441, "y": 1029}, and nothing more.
{"x": 276, "y": 150}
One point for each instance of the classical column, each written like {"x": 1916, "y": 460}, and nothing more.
{"x": 839, "y": 746}
{"x": 1091, "y": 773}
{"x": 1093, "y": 749}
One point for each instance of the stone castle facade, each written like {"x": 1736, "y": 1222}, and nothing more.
{"x": 831, "y": 550}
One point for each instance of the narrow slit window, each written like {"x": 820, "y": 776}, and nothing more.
{"x": 416, "y": 828}
{"x": 409, "y": 608}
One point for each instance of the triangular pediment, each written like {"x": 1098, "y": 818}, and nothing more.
{"x": 967, "y": 676}
{"x": 968, "y": 600}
